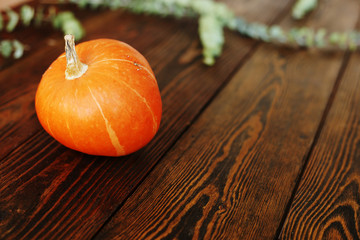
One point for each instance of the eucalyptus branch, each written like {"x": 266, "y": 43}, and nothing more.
{"x": 214, "y": 17}
{"x": 303, "y": 37}
{"x": 10, "y": 19}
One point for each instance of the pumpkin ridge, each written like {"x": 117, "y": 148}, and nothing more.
{"x": 146, "y": 103}
{"x": 129, "y": 61}
{"x": 112, "y": 134}
{"x": 71, "y": 136}
{"x": 48, "y": 125}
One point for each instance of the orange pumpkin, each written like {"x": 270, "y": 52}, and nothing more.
{"x": 102, "y": 99}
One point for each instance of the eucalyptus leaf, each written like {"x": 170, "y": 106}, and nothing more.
{"x": 13, "y": 20}
{"x": 1, "y": 22}
{"x": 27, "y": 14}
{"x": 6, "y": 48}
{"x": 212, "y": 38}
{"x": 67, "y": 22}
{"x": 73, "y": 27}
{"x": 18, "y": 49}
{"x": 319, "y": 38}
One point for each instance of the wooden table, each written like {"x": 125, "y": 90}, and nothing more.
{"x": 265, "y": 144}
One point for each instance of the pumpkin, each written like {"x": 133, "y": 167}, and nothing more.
{"x": 100, "y": 98}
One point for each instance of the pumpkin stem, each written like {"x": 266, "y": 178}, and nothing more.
{"x": 74, "y": 68}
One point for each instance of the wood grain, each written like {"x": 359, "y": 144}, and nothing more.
{"x": 232, "y": 174}
{"x": 34, "y": 182}
{"x": 50, "y": 192}
{"x": 327, "y": 203}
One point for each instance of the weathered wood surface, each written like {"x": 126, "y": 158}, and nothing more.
{"x": 48, "y": 191}
{"x": 231, "y": 175}
{"x": 327, "y": 202}
{"x": 231, "y": 152}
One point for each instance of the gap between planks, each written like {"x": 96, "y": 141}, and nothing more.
{"x": 329, "y": 104}
{"x": 344, "y": 65}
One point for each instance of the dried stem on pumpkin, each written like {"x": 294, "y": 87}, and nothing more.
{"x": 74, "y": 67}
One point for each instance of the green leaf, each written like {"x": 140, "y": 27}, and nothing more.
{"x": 67, "y": 22}
{"x": 59, "y": 20}
{"x": 18, "y": 49}
{"x": 212, "y": 38}
{"x": 1, "y": 22}
{"x": 27, "y": 14}
{"x": 80, "y": 3}
{"x": 6, "y": 48}
{"x": 73, "y": 27}
{"x": 276, "y": 33}
{"x": 320, "y": 38}
{"x": 13, "y": 20}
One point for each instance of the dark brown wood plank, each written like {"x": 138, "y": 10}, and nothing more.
{"x": 327, "y": 203}
{"x": 232, "y": 174}
{"x": 48, "y": 191}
